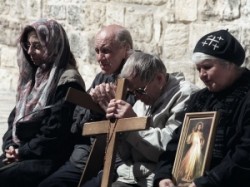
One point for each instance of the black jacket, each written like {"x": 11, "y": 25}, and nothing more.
{"x": 230, "y": 164}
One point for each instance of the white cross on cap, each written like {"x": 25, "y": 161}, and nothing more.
{"x": 213, "y": 41}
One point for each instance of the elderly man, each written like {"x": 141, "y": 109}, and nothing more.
{"x": 112, "y": 46}
{"x": 162, "y": 96}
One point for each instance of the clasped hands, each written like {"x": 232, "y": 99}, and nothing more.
{"x": 11, "y": 154}
{"x": 104, "y": 95}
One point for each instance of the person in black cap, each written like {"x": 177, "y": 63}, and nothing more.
{"x": 218, "y": 57}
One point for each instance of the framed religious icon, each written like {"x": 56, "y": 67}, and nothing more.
{"x": 195, "y": 147}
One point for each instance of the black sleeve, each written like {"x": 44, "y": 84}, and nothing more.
{"x": 234, "y": 169}
{"x": 7, "y": 138}
{"x": 53, "y": 140}
{"x": 82, "y": 115}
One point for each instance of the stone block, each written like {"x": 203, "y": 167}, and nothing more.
{"x": 6, "y": 77}
{"x": 14, "y": 33}
{"x": 10, "y": 32}
{"x": 8, "y": 57}
{"x": 175, "y": 41}
{"x": 184, "y": 66}
{"x": 245, "y": 8}
{"x": 57, "y": 2}
{"x": 140, "y": 23}
{"x": 79, "y": 44}
{"x": 57, "y": 12}
{"x": 4, "y": 7}
{"x": 209, "y": 10}
{"x": 153, "y": 48}
{"x": 230, "y": 10}
{"x": 115, "y": 14}
{"x": 94, "y": 16}
{"x": 186, "y": 10}
{"x": 4, "y": 25}
{"x": 34, "y": 9}
{"x": 88, "y": 72}
{"x": 143, "y": 2}
{"x": 245, "y": 39}
{"x": 74, "y": 17}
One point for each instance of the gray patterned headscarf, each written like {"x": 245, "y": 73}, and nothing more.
{"x": 37, "y": 85}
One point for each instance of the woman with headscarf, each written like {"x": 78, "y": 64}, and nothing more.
{"x": 218, "y": 57}
{"x": 38, "y": 139}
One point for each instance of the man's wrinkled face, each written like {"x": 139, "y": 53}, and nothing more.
{"x": 110, "y": 54}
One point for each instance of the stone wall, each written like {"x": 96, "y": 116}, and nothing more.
{"x": 168, "y": 28}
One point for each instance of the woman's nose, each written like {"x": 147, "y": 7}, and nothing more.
{"x": 30, "y": 49}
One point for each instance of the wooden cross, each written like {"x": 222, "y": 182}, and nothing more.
{"x": 82, "y": 99}
{"x": 110, "y": 128}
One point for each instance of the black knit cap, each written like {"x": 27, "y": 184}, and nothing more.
{"x": 221, "y": 44}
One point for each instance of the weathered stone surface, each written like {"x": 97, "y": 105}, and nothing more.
{"x": 230, "y": 9}
{"x": 74, "y": 17}
{"x": 186, "y": 10}
{"x": 94, "y": 16}
{"x": 8, "y": 58}
{"x": 187, "y": 67}
{"x": 246, "y": 43}
{"x": 143, "y": 2}
{"x": 175, "y": 41}
{"x": 168, "y": 28}
{"x": 245, "y": 7}
{"x": 140, "y": 23}
{"x": 57, "y": 12}
{"x": 115, "y": 14}
{"x": 6, "y": 77}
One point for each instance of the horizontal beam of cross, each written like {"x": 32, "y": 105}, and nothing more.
{"x": 125, "y": 124}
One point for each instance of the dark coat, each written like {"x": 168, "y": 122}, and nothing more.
{"x": 83, "y": 115}
{"x": 47, "y": 146}
{"x": 230, "y": 164}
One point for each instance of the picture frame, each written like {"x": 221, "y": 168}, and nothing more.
{"x": 195, "y": 147}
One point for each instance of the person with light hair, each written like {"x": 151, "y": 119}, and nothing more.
{"x": 218, "y": 57}
{"x": 160, "y": 95}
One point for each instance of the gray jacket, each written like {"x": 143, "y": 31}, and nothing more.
{"x": 141, "y": 149}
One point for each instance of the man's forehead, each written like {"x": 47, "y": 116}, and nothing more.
{"x": 105, "y": 39}
{"x": 104, "y": 42}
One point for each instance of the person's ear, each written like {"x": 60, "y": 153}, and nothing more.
{"x": 160, "y": 77}
{"x": 127, "y": 50}
{"x": 127, "y": 47}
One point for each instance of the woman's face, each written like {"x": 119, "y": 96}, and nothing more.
{"x": 216, "y": 75}
{"x": 35, "y": 49}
